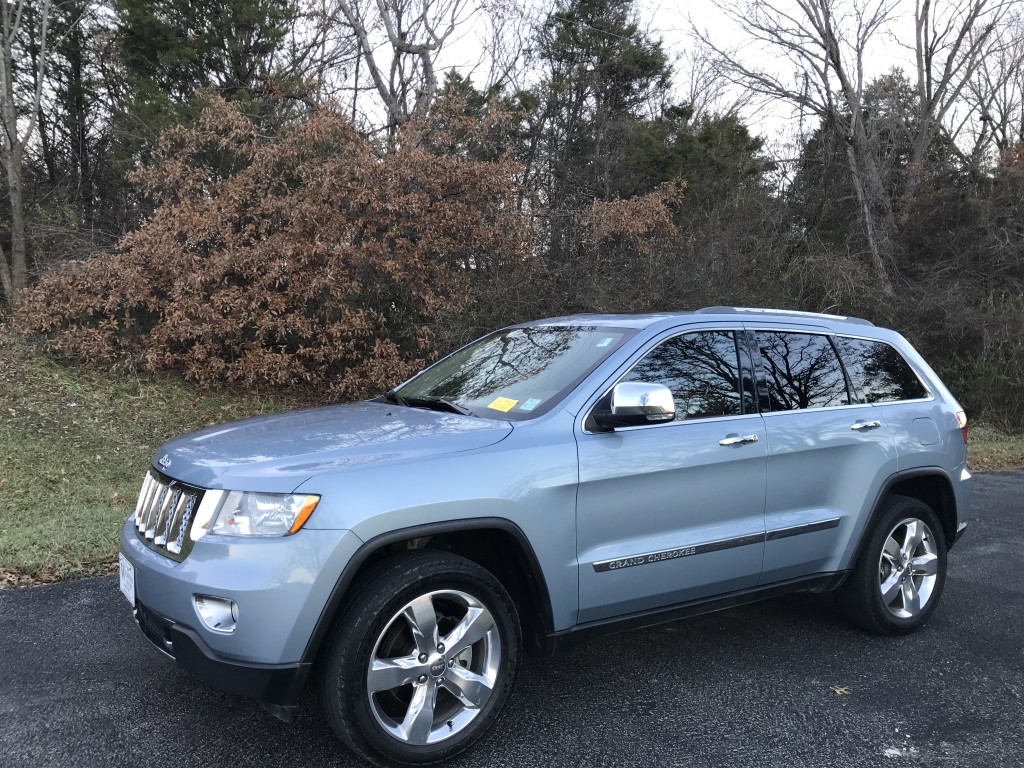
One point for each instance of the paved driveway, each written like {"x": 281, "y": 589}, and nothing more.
{"x": 781, "y": 683}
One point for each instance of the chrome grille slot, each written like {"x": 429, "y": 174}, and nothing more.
{"x": 149, "y": 491}
{"x": 163, "y": 522}
{"x": 154, "y": 512}
{"x": 164, "y": 512}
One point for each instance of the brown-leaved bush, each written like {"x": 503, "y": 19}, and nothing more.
{"x": 301, "y": 260}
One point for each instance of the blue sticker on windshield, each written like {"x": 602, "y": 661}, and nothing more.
{"x": 530, "y": 404}
{"x": 605, "y": 342}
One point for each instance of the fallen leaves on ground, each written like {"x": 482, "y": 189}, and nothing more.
{"x": 15, "y": 579}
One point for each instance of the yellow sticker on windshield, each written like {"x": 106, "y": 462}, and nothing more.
{"x": 503, "y": 404}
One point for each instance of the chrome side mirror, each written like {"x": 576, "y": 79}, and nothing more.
{"x": 634, "y": 403}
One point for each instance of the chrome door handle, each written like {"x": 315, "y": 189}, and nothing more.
{"x": 738, "y": 440}
{"x": 859, "y": 425}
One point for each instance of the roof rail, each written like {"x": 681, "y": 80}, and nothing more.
{"x": 787, "y": 312}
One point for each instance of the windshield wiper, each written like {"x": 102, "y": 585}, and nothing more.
{"x": 395, "y": 398}
{"x": 430, "y": 403}
{"x": 436, "y": 404}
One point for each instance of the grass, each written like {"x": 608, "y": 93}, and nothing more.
{"x": 74, "y": 446}
{"x": 992, "y": 450}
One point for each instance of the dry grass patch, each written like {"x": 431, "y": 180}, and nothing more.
{"x": 74, "y": 446}
{"x": 992, "y": 450}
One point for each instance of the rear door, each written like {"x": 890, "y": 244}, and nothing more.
{"x": 924, "y": 428}
{"x": 674, "y": 512}
{"x": 827, "y": 452}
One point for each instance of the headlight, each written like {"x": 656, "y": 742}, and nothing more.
{"x": 242, "y": 513}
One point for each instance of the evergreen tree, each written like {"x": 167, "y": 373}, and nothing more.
{"x": 604, "y": 76}
{"x": 169, "y": 49}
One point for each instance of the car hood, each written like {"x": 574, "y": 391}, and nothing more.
{"x": 277, "y": 453}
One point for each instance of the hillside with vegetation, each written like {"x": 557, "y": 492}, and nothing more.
{"x": 305, "y": 202}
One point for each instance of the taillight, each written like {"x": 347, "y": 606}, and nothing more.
{"x": 961, "y": 420}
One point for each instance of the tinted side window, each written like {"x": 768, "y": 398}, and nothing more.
{"x": 879, "y": 371}
{"x": 801, "y": 370}
{"x": 701, "y": 369}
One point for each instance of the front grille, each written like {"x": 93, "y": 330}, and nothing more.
{"x": 164, "y": 513}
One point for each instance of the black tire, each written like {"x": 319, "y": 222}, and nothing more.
{"x": 861, "y": 596}
{"x": 372, "y": 626}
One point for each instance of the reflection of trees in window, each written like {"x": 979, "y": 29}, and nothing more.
{"x": 518, "y": 363}
{"x": 510, "y": 358}
{"x": 701, "y": 369}
{"x": 802, "y": 371}
{"x": 880, "y": 371}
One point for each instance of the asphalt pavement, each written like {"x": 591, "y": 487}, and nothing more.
{"x": 780, "y": 683}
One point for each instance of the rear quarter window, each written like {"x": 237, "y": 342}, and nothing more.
{"x": 878, "y": 371}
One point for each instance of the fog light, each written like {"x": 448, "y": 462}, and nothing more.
{"x": 217, "y": 613}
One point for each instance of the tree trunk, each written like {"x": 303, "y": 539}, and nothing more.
{"x": 79, "y": 124}
{"x": 44, "y": 136}
{"x": 19, "y": 266}
{"x": 5, "y": 277}
{"x": 873, "y": 204}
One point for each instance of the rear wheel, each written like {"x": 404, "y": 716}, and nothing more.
{"x": 423, "y": 660}
{"x": 898, "y": 579}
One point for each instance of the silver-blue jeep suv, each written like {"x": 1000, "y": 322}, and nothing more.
{"x": 550, "y": 480}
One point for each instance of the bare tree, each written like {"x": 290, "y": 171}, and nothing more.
{"x": 826, "y": 44}
{"x": 952, "y": 42}
{"x": 506, "y": 41}
{"x": 14, "y": 137}
{"x": 26, "y": 45}
{"x": 403, "y": 70}
{"x": 994, "y": 98}
{"x": 320, "y": 55}
{"x": 705, "y": 87}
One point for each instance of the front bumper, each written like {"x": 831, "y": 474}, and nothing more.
{"x": 276, "y": 686}
{"x": 281, "y": 587}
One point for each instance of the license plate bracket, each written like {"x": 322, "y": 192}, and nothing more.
{"x": 127, "y": 574}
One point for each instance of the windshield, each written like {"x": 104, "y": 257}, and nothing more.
{"x": 517, "y": 373}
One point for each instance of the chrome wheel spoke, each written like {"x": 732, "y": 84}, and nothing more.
{"x": 911, "y": 598}
{"x": 386, "y": 674}
{"x": 925, "y": 565}
{"x": 471, "y": 689}
{"x": 422, "y": 620}
{"x": 891, "y": 588}
{"x": 419, "y": 718}
{"x": 913, "y": 536}
{"x": 891, "y": 551}
{"x": 473, "y": 627}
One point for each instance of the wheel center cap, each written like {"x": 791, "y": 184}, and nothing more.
{"x": 437, "y": 668}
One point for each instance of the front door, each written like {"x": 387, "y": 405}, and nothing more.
{"x": 674, "y": 512}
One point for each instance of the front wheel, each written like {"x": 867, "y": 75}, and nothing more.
{"x": 898, "y": 579}
{"x": 423, "y": 660}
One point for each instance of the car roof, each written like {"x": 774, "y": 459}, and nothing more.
{"x": 707, "y": 313}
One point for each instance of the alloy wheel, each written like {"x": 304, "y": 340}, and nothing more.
{"x": 434, "y": 667}
{"x": 908, "y": 568}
